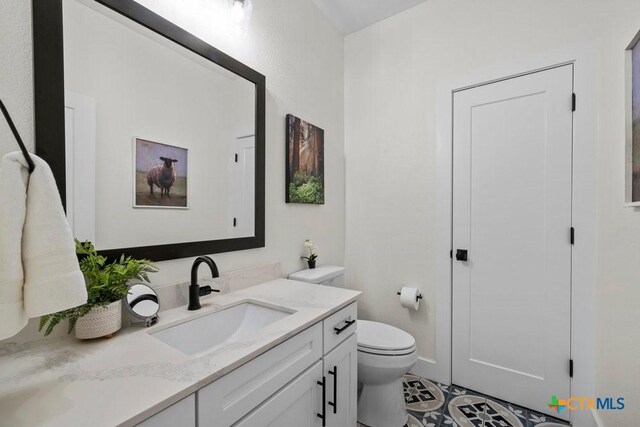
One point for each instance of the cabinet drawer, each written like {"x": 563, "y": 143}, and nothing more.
{"x": 296, "y": 405}
{"x": 339, "y": 326}
{"x": 229, "y": 398}
{"x": 182, "y": 413}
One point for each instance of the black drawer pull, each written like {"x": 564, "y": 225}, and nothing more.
{"x": 335, "y": 389}
{"x": 347, "y": 323}
{"x": 323, "y": 415}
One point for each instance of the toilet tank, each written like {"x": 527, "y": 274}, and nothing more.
{"x": 327, "y": 275}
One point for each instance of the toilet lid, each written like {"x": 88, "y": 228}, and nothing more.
{"x": 380, "y": 336}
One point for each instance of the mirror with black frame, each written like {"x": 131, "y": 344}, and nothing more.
{"x": 159, "y": 150}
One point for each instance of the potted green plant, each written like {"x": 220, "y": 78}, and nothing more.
{"x": 311, "y": 259}
{"x": 107, "y": 284}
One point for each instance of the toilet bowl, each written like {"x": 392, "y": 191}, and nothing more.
{"x": 385, "y": 354}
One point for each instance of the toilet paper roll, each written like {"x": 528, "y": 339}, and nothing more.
{"x": 409, "y": 298}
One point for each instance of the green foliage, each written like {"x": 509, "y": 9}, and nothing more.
{"x": 106, "y": 283}
{"x": 300, "y": 178}
{"x": 306, "y": 188}
{"x": 311, "y": 258}
{"x": 312, "y": 254}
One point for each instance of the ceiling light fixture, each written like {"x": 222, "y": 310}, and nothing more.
{"x": 241, "y": 11}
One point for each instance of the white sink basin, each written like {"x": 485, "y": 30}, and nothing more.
{"x": 204, "y": 334}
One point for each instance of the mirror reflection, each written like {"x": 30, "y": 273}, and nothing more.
{"x": 142, "y": 301}
{"x": 160, "y": 141}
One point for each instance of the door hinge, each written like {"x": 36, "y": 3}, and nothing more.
{"x": 235, "y": 221}
{"x": 236, "y": 157}
{"x": 573, "y": 102}
{"x": 451, "y": 254}
{"x": 573, "y": 235}
{"x": 571, "y": 368}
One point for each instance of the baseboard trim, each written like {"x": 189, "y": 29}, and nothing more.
{"x": 596, "y": 418}
{"x": 427, "y": 368}
{"x": 588, "y": 418}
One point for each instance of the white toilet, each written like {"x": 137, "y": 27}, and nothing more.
{"x": 385, "y": 354}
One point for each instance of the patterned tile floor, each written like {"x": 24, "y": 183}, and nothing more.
{"x": 431, "y": 404}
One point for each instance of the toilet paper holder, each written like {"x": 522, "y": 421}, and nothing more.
{"x": 419, "y": 296}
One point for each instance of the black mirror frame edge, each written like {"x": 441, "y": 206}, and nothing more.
{"x": 48, "y": 71}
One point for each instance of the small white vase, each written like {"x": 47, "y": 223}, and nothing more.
{"x": 100, "y": 321}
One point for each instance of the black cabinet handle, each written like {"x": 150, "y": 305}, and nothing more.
{"x": 347, "y": 323}
{"x": 335, "y": 389}
{"x": 323, "y": 415}
{"x": 462, "y": 255}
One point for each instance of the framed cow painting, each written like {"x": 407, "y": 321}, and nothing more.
{"x": 160, "y": 175}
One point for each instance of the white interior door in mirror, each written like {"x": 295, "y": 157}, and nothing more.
{"x": 80, "y": 154}
{"x": 187, "y": 110}
{"x": 242, "y": 192}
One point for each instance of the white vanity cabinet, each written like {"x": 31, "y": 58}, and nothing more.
{"x": 296, "y": 405}
{"x": 182, "y": 413}
{"x": 341, "y": 373}
{"x": 340, "y": 362}
{"x": 225, "y": 401}
{"x": 325, "y": 394}
{"x": 309, "y": 380}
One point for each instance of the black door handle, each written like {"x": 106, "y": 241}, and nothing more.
{"x": 347, "y": 323}
{"x": 334, "y": 404}
{"x": 462, "y": 255}
{"x": 323, "y": 415}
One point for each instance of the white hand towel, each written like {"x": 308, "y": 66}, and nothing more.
{"x": 39, "y": 271}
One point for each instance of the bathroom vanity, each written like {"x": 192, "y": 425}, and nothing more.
{"x": 281, "y": 353}
{"x": 304, "y": 381}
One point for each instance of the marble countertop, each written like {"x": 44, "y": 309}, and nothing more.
{"x": 132, "y": 376}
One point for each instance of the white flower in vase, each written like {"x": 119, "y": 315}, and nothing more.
{"x": 311, "y": 259}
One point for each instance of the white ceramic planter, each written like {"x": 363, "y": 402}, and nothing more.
{"x": 100, "y": 321}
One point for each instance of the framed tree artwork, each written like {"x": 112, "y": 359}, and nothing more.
{"x": 305, "y": 162}
{"x": 632, "y": 122}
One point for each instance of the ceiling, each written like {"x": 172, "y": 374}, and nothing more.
{"x": 352, "y": 15}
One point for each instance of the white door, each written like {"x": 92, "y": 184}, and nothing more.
{"x": 242, "y": 194}
{"x": 512, "y": 161}
{"x": 296, "y": 405}
{"x": 80, "y": 158}
{"x": 341, "y": 373}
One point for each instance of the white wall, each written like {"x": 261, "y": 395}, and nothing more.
{"x": 16, "y": 72}
{"x": 618, "y": 291}
{"x": 301, "y": 55}
{"x": 392, "y": 73}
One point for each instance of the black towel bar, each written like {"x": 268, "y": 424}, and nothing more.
{"x": 25, "y": 153}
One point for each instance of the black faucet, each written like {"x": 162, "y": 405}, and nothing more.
{"x": 196, "y": 291}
